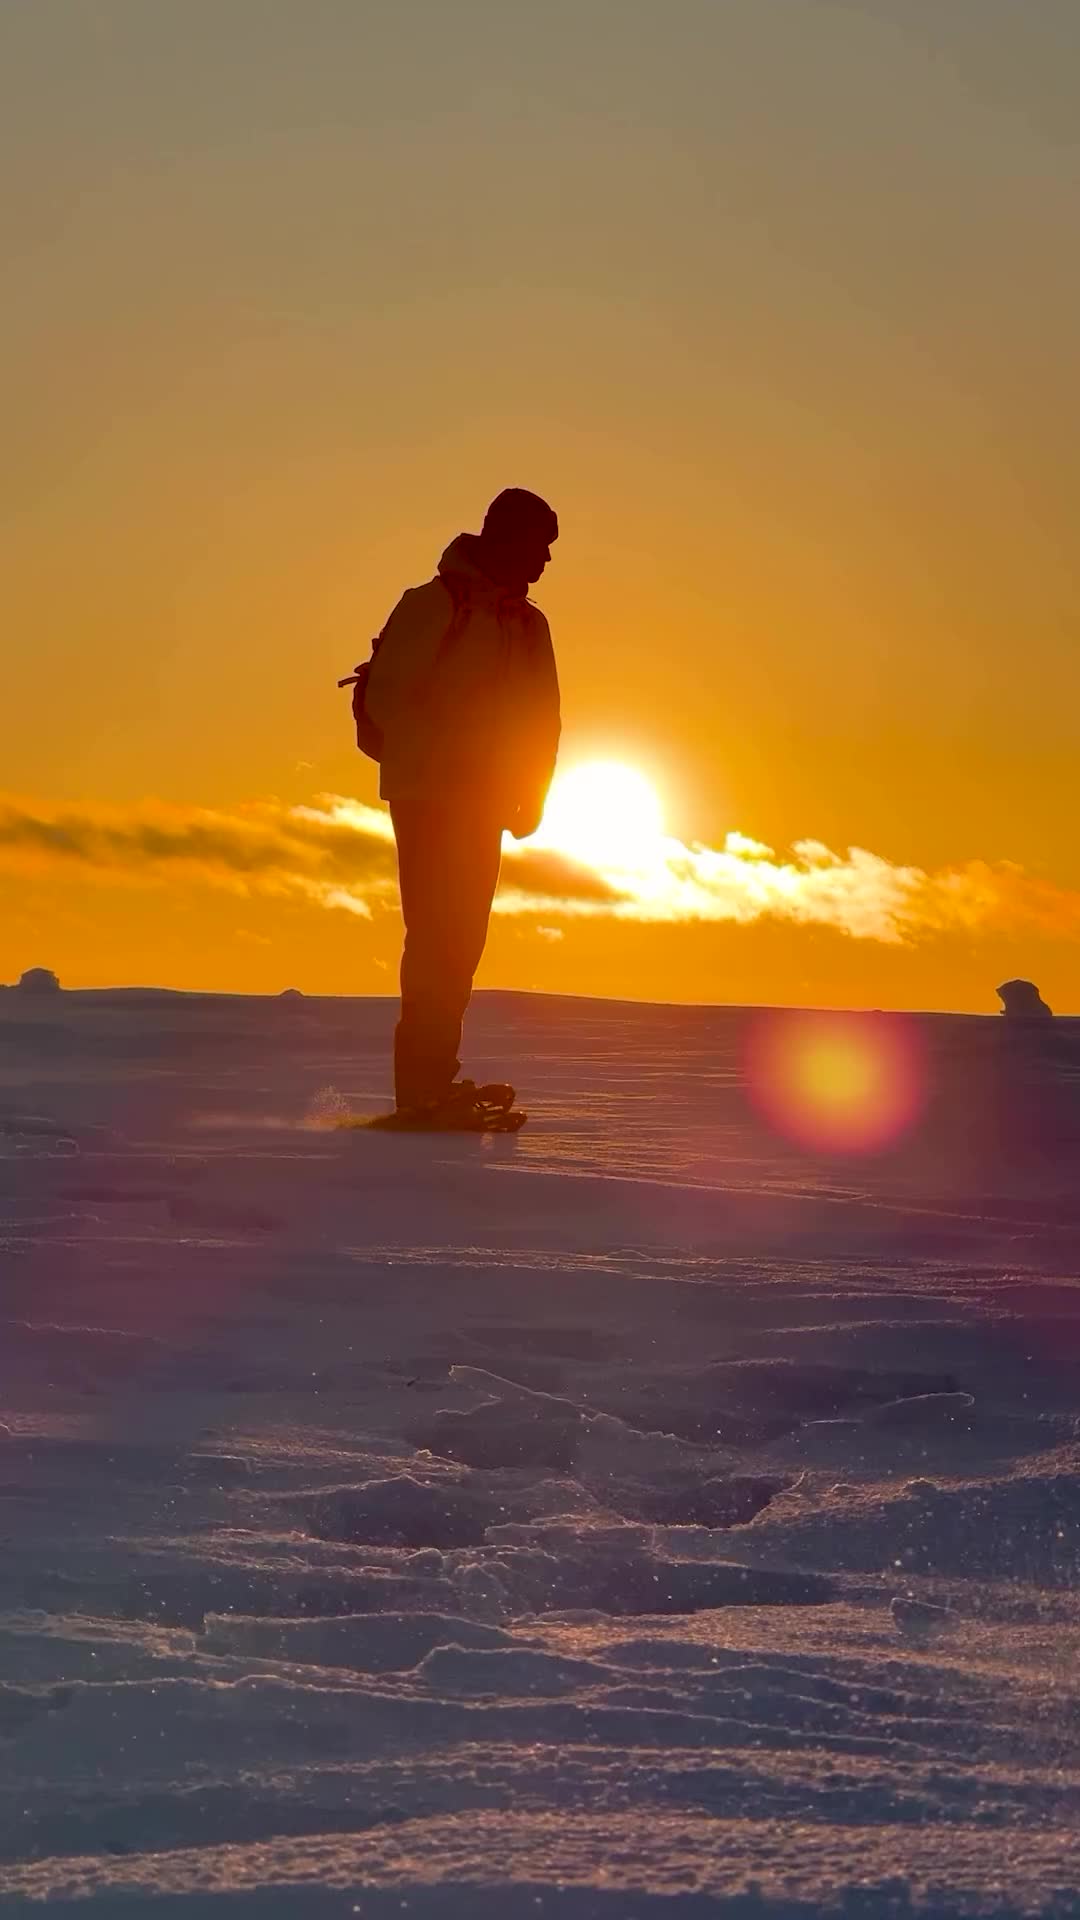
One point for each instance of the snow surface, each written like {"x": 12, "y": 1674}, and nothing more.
{"x": 632, "y": 1517}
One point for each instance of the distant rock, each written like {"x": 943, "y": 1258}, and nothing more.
{"x": 39, "y": 980}
{"x": 1021, "y": 1000}
{"x": 918, "y": 1620}
{"x": 290, "y": 993}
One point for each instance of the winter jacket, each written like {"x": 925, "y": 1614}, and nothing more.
{"x": 478, "y": 716}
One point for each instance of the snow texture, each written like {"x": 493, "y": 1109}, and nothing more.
{"x": 632, "y": 1517}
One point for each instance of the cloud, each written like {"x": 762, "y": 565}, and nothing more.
{"x": 533, "y": 875}
{"x": 857, "y": 893}
{"x": 338, "y": 854}
{"x": 267, "y": 848}
{"x": 871, "y": 898}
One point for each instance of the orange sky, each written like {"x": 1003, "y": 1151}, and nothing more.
{"x": 776, "y": 302}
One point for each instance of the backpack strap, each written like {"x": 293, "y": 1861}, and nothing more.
{"x": 461, "y": 606}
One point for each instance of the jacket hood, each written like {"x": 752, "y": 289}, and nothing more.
{"x": 462, "y": 560}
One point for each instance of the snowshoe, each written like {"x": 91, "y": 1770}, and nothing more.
{"x": 467, "y": 1108}
{"x": 495, "y": 1093}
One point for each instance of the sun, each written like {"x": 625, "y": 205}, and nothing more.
{"x": 604, "y": 813}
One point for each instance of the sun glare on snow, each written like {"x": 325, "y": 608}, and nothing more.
{"x": 606, "y": 814}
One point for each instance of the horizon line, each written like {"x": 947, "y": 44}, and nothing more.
{"x": 39, "y": 997}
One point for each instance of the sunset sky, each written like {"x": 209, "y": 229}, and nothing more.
{"x": 777, "y": 301}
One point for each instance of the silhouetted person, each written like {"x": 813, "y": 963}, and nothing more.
{"x": 463, "y": 688}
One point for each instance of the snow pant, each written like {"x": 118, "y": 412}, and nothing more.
{"x": 448, "y": 863}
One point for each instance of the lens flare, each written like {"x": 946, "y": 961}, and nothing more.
{"x": 837, "y": 1083}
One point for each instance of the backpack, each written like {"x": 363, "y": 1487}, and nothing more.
{"x": 369, "y": 737}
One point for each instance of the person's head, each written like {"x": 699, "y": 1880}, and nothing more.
{"x": 518, "y": 531}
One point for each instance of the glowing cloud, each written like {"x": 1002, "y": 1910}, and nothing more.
{"x": 339, "y": 854}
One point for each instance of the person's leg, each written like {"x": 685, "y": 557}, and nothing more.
{"x": 448, "y": 862}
